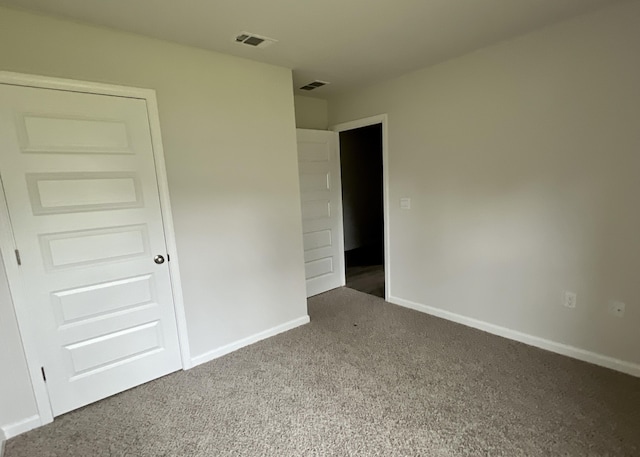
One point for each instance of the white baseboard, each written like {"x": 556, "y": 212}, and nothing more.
{"x": 224, "y": 350}
{"x": 581, "y": 354}
{"x": 15, "y": 429}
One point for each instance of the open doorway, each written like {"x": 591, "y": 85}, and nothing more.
{"x": 362, "y": 175}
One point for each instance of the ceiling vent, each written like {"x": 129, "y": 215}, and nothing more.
{"x": 253, "y": 40}
{"x": 314, "y": 85}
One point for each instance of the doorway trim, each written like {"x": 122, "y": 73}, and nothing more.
{"x": 356, "y": 124}
{"x": 7, "y": 243}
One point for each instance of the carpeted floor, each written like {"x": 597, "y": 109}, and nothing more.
{"x": 365, "y": 378}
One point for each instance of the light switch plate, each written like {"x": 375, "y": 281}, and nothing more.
{"x": 405, "y": 203}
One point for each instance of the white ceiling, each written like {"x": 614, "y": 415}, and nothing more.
{"x": 347, "y": 42}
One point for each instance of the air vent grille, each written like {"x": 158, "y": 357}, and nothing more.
{"x": 256, "y": 41}
{"x": 314, "y": 85}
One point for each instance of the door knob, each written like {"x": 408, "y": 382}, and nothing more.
{"x": 158, "y": 259}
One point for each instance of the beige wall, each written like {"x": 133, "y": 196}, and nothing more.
{"x": 311, "y": 113}
{"x": 228, "y": 128}
{"x": 523, "y": 164}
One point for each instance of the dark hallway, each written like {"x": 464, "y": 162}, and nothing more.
{"x": 362, "y": 202}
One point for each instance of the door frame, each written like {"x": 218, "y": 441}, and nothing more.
{"x": 7, "y": 242}
{"x": 356, "y": 124}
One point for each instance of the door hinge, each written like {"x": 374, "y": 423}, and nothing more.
{"x": 168, "y": 258}
{"x": 44, "y": 376}
{"x": 18, "y": 259}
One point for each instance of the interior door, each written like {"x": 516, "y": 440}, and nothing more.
{"x": 79, "y": 179}
{"x": 319, "y": 168}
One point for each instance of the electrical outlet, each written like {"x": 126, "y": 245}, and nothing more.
{"x": 570, "y": 299}
{"x": 616, "y": 308}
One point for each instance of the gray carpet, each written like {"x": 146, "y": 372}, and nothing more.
{"x": 365, "y": 378}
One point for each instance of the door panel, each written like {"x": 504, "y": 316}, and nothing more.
{"x": 55, "y": 193}
{"x": 321, "y": 202}
{"x": 80, "y": 183}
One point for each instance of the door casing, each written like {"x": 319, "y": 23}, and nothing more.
{"x": 379, "y": 119}
{"x": 7, "y": 243}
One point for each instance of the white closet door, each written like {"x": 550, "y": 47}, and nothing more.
{"x": 80, "y": 184}
{"x": 319, "y": 167}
